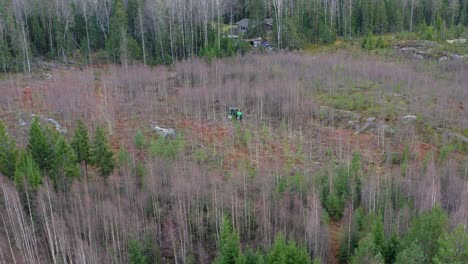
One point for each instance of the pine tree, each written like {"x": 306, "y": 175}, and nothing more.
{"x": 101, "y": 155}
{"x": 453, "y": 247}
{"x": 39, "y": 146}
{"x": 136, "y": 253}
{"x": 8, "y": 153}
{"x": 80, "y": 144}
{"x": 367, "y": 251}
{"x": 115, "y": 42}
{"x": 139, "y": 140}
{"x": 65, "y": 167}
{"x": 296, "y": 254}
{"x": 229, "y": 245}
{"x": 284, "y": 252}
{"x": 27, "y": 171}
{"x": 427, "y": 229}
{"x": 389, "y": 250}
{"x": 412, "y": 254}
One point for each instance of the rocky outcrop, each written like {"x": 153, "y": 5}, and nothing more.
{"x": 425, "y": 50}
{"x": 165, "y": 132}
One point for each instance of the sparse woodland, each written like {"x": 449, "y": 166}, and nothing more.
{"x": 291, "y": 183}
{"x": 347, "y": 155}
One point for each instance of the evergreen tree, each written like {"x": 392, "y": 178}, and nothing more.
{"x": 116, "y": 40}
{"x": 65, "y": 167}
{"x": 8, "y": 153}
{"x": 251, "y": 257}
{"x": 80, "y": 144}
{"x": 277, "y": 253}
{"x": 139, "y": 140}
{"x": 101, "y": 155}
{"x": 378, "y": 233}
{"x": 453, "y": 247}
{"x": 39, "y": 146}
{"x": 380, "y": 13}
{"x": 27, "y": 171}
{"x": 296, "y": 254}
{"x": 390, "y": 249}
{"x": 412, "y": 254}
{"x": 229, "y": 245}
{"x": 287, "y": 253}
{"x": 426, "y": 229}
{"x": 135, "y": 252}
{"x": 367, "y": 252}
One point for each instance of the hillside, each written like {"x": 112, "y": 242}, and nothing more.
{"x": 353, "y": 156}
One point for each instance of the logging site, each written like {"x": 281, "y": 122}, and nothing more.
{"x": 234, "y": 131}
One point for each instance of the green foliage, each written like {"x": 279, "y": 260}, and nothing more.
{"x": 65, "y": 167}
{"x": 27, "y": 171}
{"x": 133, "y": 49}
{"x": 123, "y": 158}
{"x": 334, "y": 198}
{"x": 139, "y": 140}
{"x": 251, "y": 257}
{"x": 413, "y": 254}
{"x": 167, "y": 147}
{"x": 367, "y": 251}
{"x": 445, "y": 151}
{"x": 404, "y": 160}
{"x": 378, "y": 233}
{"x": 453, "y": 247}
{"x": 287, "y": 253}
{"x": 115, "y": 42}
{"x": 8, "y": 153}
{"x": 80, "y": 143}
{"x": 427, "y": 229}
{"x": 229, "y": 245}
{"x": 135, "y": 252}
{"x": 390, "y": 248}
{"x": 39, "y": 146}
{"x": 139, "y": 169}
{"x": 82, "y": 33}
{"x": 101, "y": 154}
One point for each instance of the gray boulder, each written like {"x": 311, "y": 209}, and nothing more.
{"x": 165, "y": 132}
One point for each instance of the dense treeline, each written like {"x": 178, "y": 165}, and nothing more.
{"x": 157, "y": 32}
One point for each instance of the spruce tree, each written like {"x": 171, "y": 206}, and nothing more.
{"x": 65, "y": 167}
{"x": 413, "y": 254}
{"x": 453, "y": 247}
{"x": 8, "y": 153}
{"x": 229, "y": 245}
{"x": 426, "y": 229}
{"x": 115, "y": 42}
{"x": 80, "y": 144}
{"x": 39, "y": 146}
{"x": 139, "y": 140}
{"x": 27, "y": 171}
{"x": 136, "y": 253}
{"x": 101, "y": 155}
{"x": 367, "y": 251}
{"x": 284, "y": 252}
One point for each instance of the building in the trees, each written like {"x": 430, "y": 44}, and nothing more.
{"x": 268, "y": 24}
{"x": 244, "y": 25}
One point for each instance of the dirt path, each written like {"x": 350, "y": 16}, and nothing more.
{"x": 334, "y": 234}
{"x": 335, "y": 231}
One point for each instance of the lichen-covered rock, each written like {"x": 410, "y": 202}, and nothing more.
{"x": 165, "y": 132}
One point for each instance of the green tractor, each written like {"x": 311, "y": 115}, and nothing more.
{"x": 235, "y": 113}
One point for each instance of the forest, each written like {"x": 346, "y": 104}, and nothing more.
{"x": 116, "y": 145}
{"x": 164, "y": 31}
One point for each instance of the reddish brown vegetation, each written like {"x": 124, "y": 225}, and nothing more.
{"x": 178, "y": 204}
